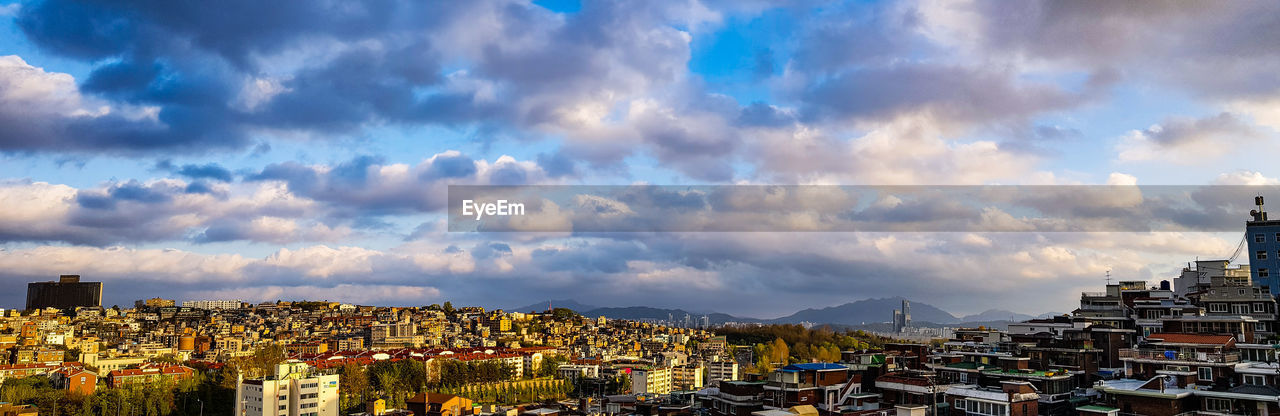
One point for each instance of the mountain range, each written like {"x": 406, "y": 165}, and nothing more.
{"x": 857, "y": 313}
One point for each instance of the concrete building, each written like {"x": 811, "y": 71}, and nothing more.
{"x": 1263, "y": 237}
{"x": 212, "y": 304}
{"x": 1199, "y": 275}
{"x": 573, "y": 371}
{"x": 652, "y": 380}
{"x": 66, "y": 293}
{"x": 687, "y": 377}
{"x": 722, "y": 371}
{"x": 291, "y": 391}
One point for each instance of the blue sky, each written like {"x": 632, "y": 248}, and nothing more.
{"x": 297, "y": 150}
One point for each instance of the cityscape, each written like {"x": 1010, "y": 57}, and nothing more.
{"x": 639, "y": 208}
{"x": 1204, "y": 341}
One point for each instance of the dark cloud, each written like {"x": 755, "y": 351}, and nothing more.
{"x": 1221, "y": 128}
{"x": 452, "y": 166}
{"x": 557, "y": 164}
{"x": 212, "y": 171}
{"x": 947, "y": 92}
{"x": 760, "y": 114}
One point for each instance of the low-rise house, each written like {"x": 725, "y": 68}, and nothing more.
{"x": 120, "y": 378}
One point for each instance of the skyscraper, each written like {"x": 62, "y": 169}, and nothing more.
{"x": 902, "y": 317}
{"x": 66, "y": 293}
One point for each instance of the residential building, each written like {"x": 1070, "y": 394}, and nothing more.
{"x": 733, "y": 398}
{"x": 292, "y": 391}
{"x": 1011, "y": 398}
{"x": 439, "y": 404}
{"x": 687, "y": 377}
{"x": 652, "y": 380}
{"x": 213, "y": 304}
{"x": 816, "y": 384}
{"x": 722, "y": 371}
{"x": 1263, "y": 237}
{"x": 573, "y": 371}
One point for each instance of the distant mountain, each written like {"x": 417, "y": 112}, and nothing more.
{"x": 563, "y": 303}
{"x": 854, "y": 314}
{"x": 868, "y": 311}
{"x": 647, "y": 313}
{"x": 995, "y": 315}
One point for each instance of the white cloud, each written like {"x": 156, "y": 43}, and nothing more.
{"x": 1187, "y": 141}
{"x": 1245, "y": 177}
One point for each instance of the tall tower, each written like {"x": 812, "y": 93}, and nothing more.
{"x": 906, "y": 314}
{"x": 1263, "y": 236}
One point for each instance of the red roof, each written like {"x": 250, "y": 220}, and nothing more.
{"x": 1192, "y": 339}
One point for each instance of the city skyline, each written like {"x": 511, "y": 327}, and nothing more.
{"x": 304, "y": 150}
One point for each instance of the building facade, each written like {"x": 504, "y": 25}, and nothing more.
{"x": 66, "y": 293}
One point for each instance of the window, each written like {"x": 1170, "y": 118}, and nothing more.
{"x": 1206, "y": 373}
{"x": 1254, "y": 379}
{"x": 1217, "y": 307}
{"x": 1260, "y": 238}
{"x": 1263, "y": 272}
{"x": 1259, "y": 307}
{"x": 1261, "y": 255}
{"x": 1260, "y": 326}
{"x": 1217, "y": 405}
{"x": 1278, "y": 237}
{"x": 1240, "y": 308}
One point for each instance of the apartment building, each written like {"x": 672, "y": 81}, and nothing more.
{"x": 722, "y": 371}
{"x": 213, "y": 304}
{"x": 652, "y": 380}
{"x": 292, "y": 391}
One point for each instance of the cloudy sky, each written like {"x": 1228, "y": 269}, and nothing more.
{"x": 303, "y": 149}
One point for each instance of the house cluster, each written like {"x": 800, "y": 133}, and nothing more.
{"x": 1203, "y": 345}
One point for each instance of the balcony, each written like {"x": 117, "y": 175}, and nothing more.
{"x": 1159, "y": 355}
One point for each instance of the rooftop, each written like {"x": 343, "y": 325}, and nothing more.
{"x": 814, "y": 367}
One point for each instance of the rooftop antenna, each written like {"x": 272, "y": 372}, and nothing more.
{"x": 1108, "y": 276}
{"x": 1258, "y": 214}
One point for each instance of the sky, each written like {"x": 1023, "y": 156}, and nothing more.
{"x": 303, "y": 149}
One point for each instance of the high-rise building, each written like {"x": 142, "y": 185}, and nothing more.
{"x": 1263, "y": 236}
{"x": 902, "y": 317}
{"x": 66, "y": 293}
{"x": 293, "y": 391}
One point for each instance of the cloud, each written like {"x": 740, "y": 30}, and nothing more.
{"x": 755, "y": 274}
{"x": 282, "y": 203}
{"x": 1188, "y": 140}
{"x": 368, "y": 186}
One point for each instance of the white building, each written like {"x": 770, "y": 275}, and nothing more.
{"x": 721, "y": 370}
{"x": 573, "y": 371}
{"x": 653, "y": 380}
{"x": 293, "y": 391}
{"x": 1200, "y": 275}
{"x": 212, "y": 304}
